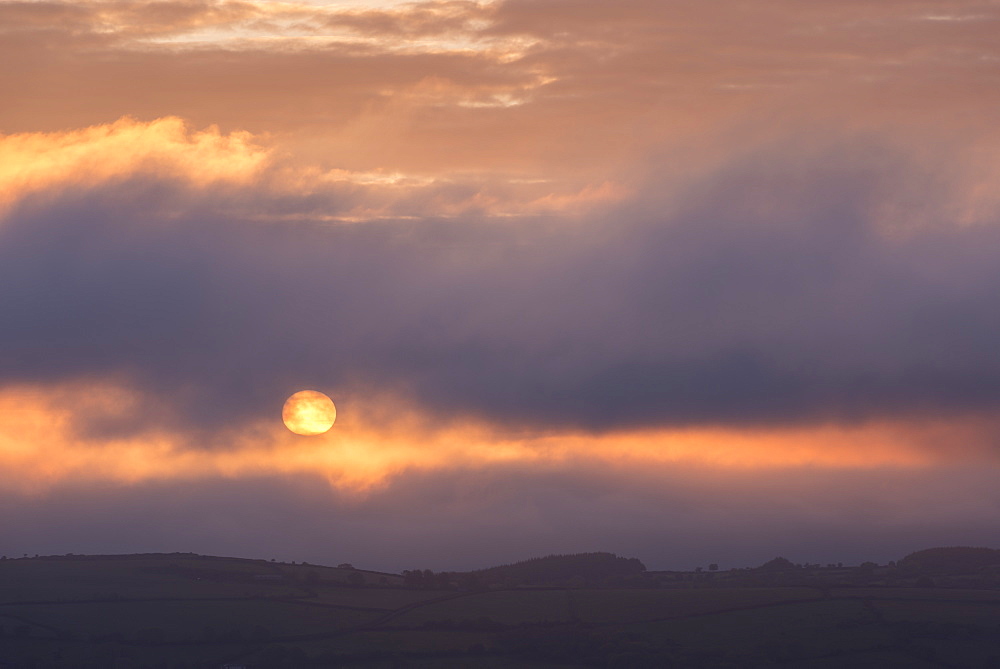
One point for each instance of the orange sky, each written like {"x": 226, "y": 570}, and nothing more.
{"x": 737, "y": 238}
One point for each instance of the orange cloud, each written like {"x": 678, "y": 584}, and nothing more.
{"x": 41, "y": 446}
{"x": 429, "y": 26}
{"x": 168, "y": 148}
{"x": 31, "y": 162}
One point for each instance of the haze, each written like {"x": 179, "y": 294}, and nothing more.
{"x": 691, "y": 282}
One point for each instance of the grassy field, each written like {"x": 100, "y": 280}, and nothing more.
{"x": 191, "y": 612}
{"x": 511, "y": 607}
{"x": 380, "y": 598}
{"x": 179, "y": 621}
{"x": 614, "y": 606}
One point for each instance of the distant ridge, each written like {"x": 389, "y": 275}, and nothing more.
{"x": 576, "y": 568}
{"x": 563, "y": 570}
{"x": 180, "y": 557}
{"x": 950, "y": 559}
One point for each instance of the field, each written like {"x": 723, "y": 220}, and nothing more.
{"x": 184, "y": 611}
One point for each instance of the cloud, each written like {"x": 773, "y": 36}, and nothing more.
{"x": 141, "y": 23}
{"x": 462, "y": 519}
{"x": 431, "y": 227}
{"x": 31, "y": 162}
{"x": 638, "y": 75}
{"x": 96, "y": 431}
{"x": 770, "y": 290}
{"x": 573, "y": 272}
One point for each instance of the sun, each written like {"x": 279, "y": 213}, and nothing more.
{"x": 309, "y": 412}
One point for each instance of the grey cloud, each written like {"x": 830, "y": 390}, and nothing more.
{"x": 457, "y": 519}
{"x": 766, "y": 295}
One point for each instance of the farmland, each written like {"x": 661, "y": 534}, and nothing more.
{"x": 183, "y": 611}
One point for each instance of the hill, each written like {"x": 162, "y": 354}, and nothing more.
{"x": 950, "y": 560}
{"x": 185, "y": 611}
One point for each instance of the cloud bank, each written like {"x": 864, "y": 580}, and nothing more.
{"x": 771, "y": 290}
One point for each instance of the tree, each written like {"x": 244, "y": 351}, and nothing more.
{"x": 777, "y": 564}
{"x": 713, "y": 567}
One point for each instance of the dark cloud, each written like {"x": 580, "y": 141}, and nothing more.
{"x": 767, "y": 293}
{"x": 459, "y": 519}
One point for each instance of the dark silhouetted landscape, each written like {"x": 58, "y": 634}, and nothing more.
{"x": 933, "y": 608}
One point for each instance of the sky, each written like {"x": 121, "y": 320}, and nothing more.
{"x": 689, "y": 282}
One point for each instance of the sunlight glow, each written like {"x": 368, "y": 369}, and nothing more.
{"x": 309, "y": 413}
{"x": 44, "y": 441}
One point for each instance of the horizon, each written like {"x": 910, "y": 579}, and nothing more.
{"x": 696, "y": 283}
{"x": 698, "y": 569}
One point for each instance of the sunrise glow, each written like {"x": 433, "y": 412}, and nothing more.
{"x": 664, "y": 265}
{"x": 308, "y": 413}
